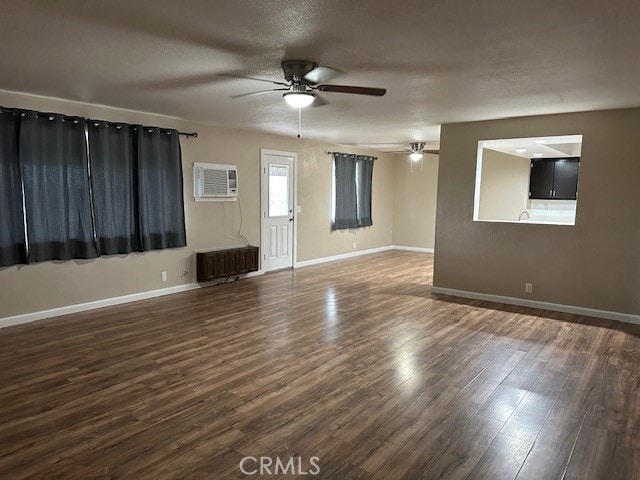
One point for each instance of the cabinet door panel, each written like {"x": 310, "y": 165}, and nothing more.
{"x": 210, "y": 268}
{"x": 565, "y": 181}
{"x": 221, "y": 264}
{"x": 242, "y": 261}
{"x": 541, "y": 179}
{"x": 205, "y": 266}
{"x": 232, "y": 263}
{"x": 252, "y": 260}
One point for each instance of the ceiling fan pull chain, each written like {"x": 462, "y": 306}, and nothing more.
{"x": 299, "y": 122}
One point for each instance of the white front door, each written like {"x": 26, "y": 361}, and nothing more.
{"x": 277, "y": 210}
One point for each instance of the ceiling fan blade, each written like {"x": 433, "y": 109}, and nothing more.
{"x": 432, "y": 152}
{"x": 377, "y": 92}
{"x": 242, "y": 77}
{"x": 319, "y": 101}
{"x": 258, "y": 93}
{"x": 321, "y": 75}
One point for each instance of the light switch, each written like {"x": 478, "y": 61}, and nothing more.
{"x": 299, "y": 209}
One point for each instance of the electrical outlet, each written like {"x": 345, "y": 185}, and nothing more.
{"x": 163, "y": 276}
{"x": 528, "y": 287}
{"x": 354, "y": 244}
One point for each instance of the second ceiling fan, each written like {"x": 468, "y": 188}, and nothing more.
{"x": 416, "y": 151}
{"x": 304, "y": 79}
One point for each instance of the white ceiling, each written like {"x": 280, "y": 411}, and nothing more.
{"x": 532, "y": 147}
{"x": 440, "y": 61}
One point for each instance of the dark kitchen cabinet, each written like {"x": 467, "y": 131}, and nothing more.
{"x": 554, "y": 178}
{"x": 226, "y": 263}
{"x": 565, "y": 179}
{"x": 541, "y": 179}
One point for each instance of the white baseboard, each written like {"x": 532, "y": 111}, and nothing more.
{"x": 107, "y": 302}
{"x": 81, "y": 307}
{"x": 342, "y": 256}
{"x": 557, "y": 307}
{"x": 413, "y": 249}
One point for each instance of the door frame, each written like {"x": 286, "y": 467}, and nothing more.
{"x": 264, "y": 202}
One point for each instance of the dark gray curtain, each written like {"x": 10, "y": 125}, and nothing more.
{"x": 53, "y": 159}
{"x": 346, "y": 201}
{"x": 114, "y": 182}
{"x": 364, "y": 185}
{"x": 160, "y": 195}
{"x": 12, "y": 241}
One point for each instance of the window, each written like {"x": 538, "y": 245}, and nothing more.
{"x": 352, "y": 185}
{"x": 72, "y": 188}
{"x": 278, "y": 190}
{"x": 528, "y": 180}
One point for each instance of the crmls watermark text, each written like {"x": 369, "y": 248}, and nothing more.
{"x": 278, "y": 466}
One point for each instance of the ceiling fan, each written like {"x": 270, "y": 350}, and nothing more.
{"x": 304, "y": 79}
{"x": 416, "y": 151}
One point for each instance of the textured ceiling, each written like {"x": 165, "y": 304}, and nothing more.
{"x": 440, "y": 61}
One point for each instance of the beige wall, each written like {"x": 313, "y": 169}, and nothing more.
{"x": 594, "y": 264}
{"x": 504, "y": 186}
{"x": 414, "y": 204}
{"x": 36, "y": 287}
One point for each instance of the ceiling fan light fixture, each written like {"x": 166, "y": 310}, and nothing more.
{"x": 299, "y": 99}
{"x": 416, "y": 151}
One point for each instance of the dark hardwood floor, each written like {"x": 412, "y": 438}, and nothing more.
{"x": 354, "y": 362}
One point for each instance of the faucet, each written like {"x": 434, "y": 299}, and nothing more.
{"x": 524, "y": 212}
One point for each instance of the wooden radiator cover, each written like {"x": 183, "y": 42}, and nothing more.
{"x": 226, "y": 263}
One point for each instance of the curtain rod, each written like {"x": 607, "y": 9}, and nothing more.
{"x": 342, "y": 153}
{"x": 20, "y": 110}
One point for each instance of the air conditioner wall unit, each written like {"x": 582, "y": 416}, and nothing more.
{"x": 213, "y": 182}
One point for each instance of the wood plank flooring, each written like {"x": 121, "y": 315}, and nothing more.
{"x": 354, "y": 362}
